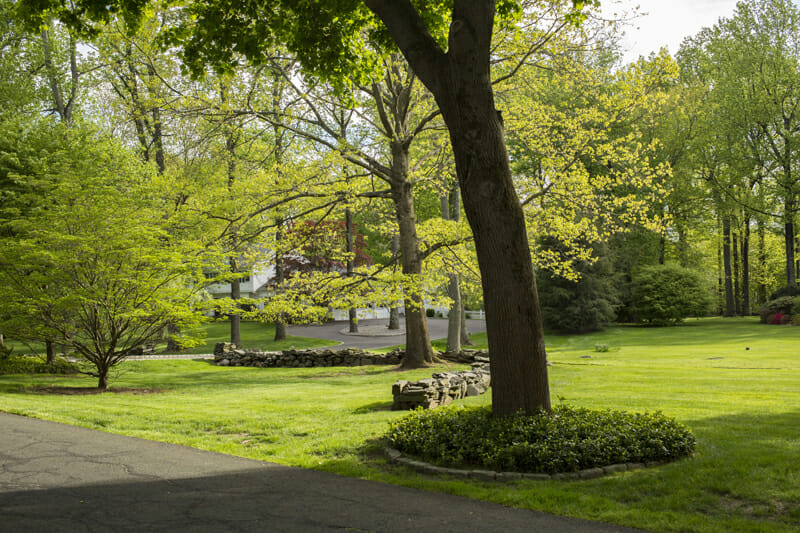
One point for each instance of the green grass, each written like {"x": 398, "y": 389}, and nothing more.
{"x": 254, "y": 335}
{"x": 743, "y": 406}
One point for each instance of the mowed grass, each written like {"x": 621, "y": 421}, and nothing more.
{"x": 742, "y": 404}
{"x": 254, "y": 335}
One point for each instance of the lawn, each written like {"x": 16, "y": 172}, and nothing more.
{"x": 254, "y": 335}
{"x": 735, "y": 382}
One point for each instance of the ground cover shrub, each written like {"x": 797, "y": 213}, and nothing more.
{"x": 666, "y": 294}
{"x": 24, "y": 364}
{"x": 570, "y": 439}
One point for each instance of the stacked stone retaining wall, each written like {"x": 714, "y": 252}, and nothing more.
{"x": 442, "y": 388}
{"x": 227, "y": 354}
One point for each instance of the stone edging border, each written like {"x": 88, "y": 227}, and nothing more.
{"x": 395, "y": 456}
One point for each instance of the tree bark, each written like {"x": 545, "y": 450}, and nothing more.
{"x": 280, "y": 275}
{"x": 746, "y": 305}
{"x": 762, "y": 264}
{"x": 451, "y": 208}
{"x": 50, "y": 349}
{"x": 394, "y": 312}
{"x": 419, "y": 352}
{"x": 730, "y": 310}
{"x": 460, "y": 81}
{"x": 352, "y": 316}
{"x": 737, "y": 294}
{"x": 236, "y": 294}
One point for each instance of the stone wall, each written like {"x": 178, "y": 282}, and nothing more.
{"x": 227, "y": 354}
{"x": 442, "y": 388}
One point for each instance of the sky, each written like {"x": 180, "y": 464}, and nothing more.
{"x": 666, "y": 22}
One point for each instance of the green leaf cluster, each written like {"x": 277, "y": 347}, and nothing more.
{"x": 567, "y": 440}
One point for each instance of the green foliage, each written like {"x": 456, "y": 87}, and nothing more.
{"x": 666, "y": 294}
{"x": 786, "y": 290}
{"x": 568, "y": 440}
{"x": 23, "y": 364}
{"x": 86, "y": 258}
{"x": 585, "y": 304}
{"x": 779, "y": 310}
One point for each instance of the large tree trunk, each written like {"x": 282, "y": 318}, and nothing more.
{"x": 465, "y": 339}
{"x": 460, "y": 81}
{"x": 419, "y": 352}
{"x": 726, "y": 261}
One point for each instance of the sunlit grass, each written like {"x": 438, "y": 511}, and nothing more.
{"x": 742, "y": 404}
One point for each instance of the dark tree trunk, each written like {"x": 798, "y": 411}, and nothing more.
{"x": 737, "y": 295}
{"x": 726, "y": 261}
{"x": 236, "y": 294}
{"x": 419, "y": 352}
{"x": 762, "y": 264}
{"x": 348, "y": 221}
{"x": 788, "y": 229}
{"x": 50, "y": 349}
{"x": 102, "y": 377}
{"x": 172, "y": 344}
{"x": 394, "y": 312}
{"x": 460, "y": 80}
{"x": 746, "y": 305}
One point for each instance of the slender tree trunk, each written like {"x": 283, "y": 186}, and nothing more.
{"x": 726, "y": 260}
{"x": 50, "y": 349}
{"x": 465, "y": 339}
{"x": 788, "y": 228}
{"x": 419, "y": 352}
{"x": 746, "y": 306}
{"x": 348, "y": 221}
{"x": 394, "y": 312}
{"x": 762, "y": 264}
{"x": 280, "y": 275}
{"x": 236, "y": 294}
{"x": 453, "y": 290}
{"x": 737, "y": 295}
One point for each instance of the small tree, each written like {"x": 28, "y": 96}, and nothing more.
{"x": 579, "y": 305}
{"x": 88, "y": 263}
{"x": 666, "y": 294}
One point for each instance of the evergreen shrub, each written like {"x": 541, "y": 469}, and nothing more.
{"x": 666, "y": 294}
{"x": 568, "y": 440}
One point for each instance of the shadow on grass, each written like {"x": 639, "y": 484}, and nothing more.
{"x": 373, "y": 407}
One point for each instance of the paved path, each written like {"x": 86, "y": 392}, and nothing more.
{"x": 60, "y": 478}
{"x": 437, "y": 328}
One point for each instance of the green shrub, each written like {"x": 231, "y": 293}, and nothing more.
{"x": 787, "y": 290}
{"x": 666, "y": 294}
{"x": 430, "y": 313}
{"x": 783, "y": 306}
{"x": 578, "y": 306}
{"x": 23, "y": 364}
{"x": 570, "y": 439}
{"x": 601, "y": 347}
